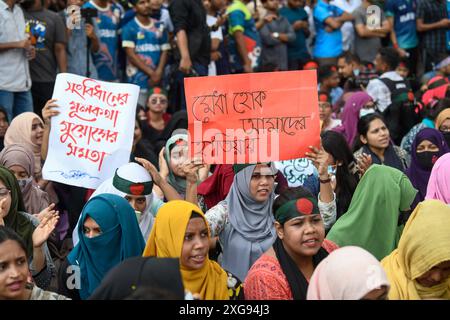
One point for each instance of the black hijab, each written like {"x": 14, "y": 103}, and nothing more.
{"x": 142, "y": 278}
{"x": 296, "y": 279}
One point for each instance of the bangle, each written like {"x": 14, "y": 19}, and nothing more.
{"x": 327, "y": 180}
{"x": 395, "y": 45}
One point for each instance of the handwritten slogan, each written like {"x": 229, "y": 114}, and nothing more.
{"x": 250, "y": 118}
{"x": 93, "y": 134}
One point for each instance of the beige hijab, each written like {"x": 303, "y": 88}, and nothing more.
{"x": 19, "y": 131}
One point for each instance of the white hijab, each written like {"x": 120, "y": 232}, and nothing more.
{"x": 135, "y": 173}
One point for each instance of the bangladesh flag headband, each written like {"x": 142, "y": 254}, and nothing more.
{"x": 133, "y": 188}
{"x": 296, "y": 208}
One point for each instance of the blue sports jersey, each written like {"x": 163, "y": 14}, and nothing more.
{"x": 148, "y": 43}
{"x": 108, "y": 20}
{"x": 328, "y": 44}
{"x": 404, "y": 13}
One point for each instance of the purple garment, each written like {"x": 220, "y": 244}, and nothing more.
{"x": 419, "y": 176}
{"x": 350, "y": 116}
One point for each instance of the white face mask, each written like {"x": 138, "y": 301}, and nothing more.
{"x": 356, "y": 72}
{"x": 363, "y": 112}
{"x": 24, "y": 182}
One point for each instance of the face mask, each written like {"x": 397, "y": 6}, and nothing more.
{"x": 363, "y": 112}
{"x": 427, "y": 159}
{"x": 446, "y": 137}
{"x": 356, "y": 72}
{"x": 24, "y": 182}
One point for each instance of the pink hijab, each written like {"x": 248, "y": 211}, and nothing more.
{"x": 350, "y": 115}
{"x": 19, "y": 131}
{"x": 439, "y": 183}
{"x": 348, "y": 273}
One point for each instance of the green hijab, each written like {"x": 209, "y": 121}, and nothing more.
{"x": 178, "y": 183}
{"x": 371, "y": 221}
{"x": 14, "y": 220}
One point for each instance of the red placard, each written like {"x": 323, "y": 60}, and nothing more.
{"x": 249, "y": 118}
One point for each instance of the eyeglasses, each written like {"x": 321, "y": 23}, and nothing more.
{"x": 4, "y": 192}
{"x": 161, "y": 100}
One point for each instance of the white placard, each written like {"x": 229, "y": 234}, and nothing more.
{"x": 93, "y": 134}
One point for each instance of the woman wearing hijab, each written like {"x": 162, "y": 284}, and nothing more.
{"x": 13, "y": 215}
{"x": 439, "y": 183}
{"x": 108, "y": 234}
{"x": 175, "y": 155}
{"x": 353, "y": 110}
{"x": 349, "y": 273}
{"x": 243, "y": 221}
{"x": 374, "y": 220}
{"x": 19, "y": 159}
{"x": 284, "y": 270}
{"x": 429, "y": 145}
{"x": 181, "y": 231}
{"x": 420, "y": 267}
{"x": 27, "y": 128}
{"x": 374, "y": 140}
{"x": 159, "y": 277}
{"x": 3, "y": 126}
{"x": 443, "y": 124}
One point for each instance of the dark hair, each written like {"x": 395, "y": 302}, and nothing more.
{"x": 7, "y": 233}
{"x": 290, "y": 194}
{"x": 326, "y": 71}
{"x": 346, "y": 181}
{"x": 363, "y": 127}
{"x": 195, "y": 214}
{"x": 350, "y": 57}
{"x": 3, "y": 110}
{"x": 403, "y": 61}
{"x": 152, "y": 293}
{"x": 432, "y": 112}
{"x": 390, "y": 57}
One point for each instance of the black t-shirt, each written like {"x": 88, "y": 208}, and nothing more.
{"x": 190, "y": 15}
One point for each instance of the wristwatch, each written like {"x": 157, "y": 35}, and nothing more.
{"x": 276, "y": 35}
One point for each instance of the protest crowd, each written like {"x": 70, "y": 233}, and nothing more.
{"x": 362, "y": 215}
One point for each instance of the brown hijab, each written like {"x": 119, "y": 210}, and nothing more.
{"x": 34, "y": 198}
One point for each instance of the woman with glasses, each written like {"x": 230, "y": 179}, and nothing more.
{"x": 325, "y": 111}
{"x": 243, "y": 221}
{"x": 33, "y": 232}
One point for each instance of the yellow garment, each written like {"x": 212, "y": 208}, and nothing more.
{"x": 443, "y": 115}
{"x": 425, "y": 243}
{"x": 166, "y": 241}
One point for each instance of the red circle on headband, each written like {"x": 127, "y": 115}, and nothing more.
{"x": 323, "y": 98}
{"x": 333, "y": 68}
{"x": 304, "y": 206}
{"x": 137, "y": 189}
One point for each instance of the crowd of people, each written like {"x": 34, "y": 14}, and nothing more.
{"x": 371, "y": 221}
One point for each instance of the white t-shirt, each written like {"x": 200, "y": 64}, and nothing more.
{"x": 210, "y": 20}
{"x": 348, "y": 32}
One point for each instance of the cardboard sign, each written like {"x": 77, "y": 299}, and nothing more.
{"x": 92, "y": 136}
{"x": 249, "y": 118}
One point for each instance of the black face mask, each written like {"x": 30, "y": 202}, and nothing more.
{"x": 446, "y": 137}
{"x": 427, "y": 159}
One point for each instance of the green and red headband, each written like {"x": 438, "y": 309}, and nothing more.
{"x": 133, "y": 188}
{"x": 157, "y": 90}
{"x": 296, "y": 208}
